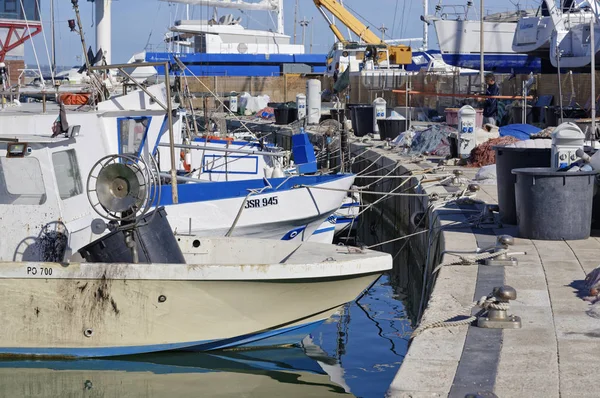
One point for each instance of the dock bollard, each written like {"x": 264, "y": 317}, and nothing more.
{"x": 457, "y": 179}
{"x": 502, "y": 243}
{"x": 497, "y": 308}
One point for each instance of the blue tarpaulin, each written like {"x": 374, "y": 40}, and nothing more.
{"x": 519, "y": 131}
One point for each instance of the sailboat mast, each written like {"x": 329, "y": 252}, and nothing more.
{"x": 280, "y": 22}
{"x": 425, "y": 25}
{"x": 295, "y": 21}
{"x": 53, "y": 66}
{"x": 481, "y": 78}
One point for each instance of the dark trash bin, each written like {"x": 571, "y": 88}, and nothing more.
{"x": 281, "y": 115}
{"x": 292, "y": 115}
{"x": 155, "y": 240}
{"x": 507, "y": 159}
{"x": 362, "y": 120}
{"x": 554, "y": 205}
{"x": 391, "y": 128}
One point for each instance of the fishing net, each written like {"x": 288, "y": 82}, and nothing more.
{"x": 484, "y": 154}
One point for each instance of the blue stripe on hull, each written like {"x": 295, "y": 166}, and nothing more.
{"x": 499, "y": 63}
{"x": 323, "y": 231}
{"x": 278, "y": 337}
{"x": 202, "y": 64}
{"x": 208, "y": 191}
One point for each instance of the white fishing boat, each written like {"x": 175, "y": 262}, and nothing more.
{"x": 176, "y": 292}
{"x": 290, "y": 207}
{"x": 231, "y": 292}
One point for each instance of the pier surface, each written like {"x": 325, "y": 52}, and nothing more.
{"x": 553, "y": 354}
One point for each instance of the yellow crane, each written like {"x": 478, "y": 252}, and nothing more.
{"x": 399, "y": 54}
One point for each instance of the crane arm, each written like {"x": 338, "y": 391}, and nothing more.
{"x": 346, "y": 17}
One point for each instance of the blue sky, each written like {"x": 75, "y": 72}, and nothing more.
{"x": 137, "y": 22}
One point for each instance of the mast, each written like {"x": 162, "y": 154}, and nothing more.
{"x": 280, "y": 21}
{"x": 53, "y": 31}
{"x": 481, "y": 77}
{"x": 425, "y": 25}
{"x": 295, "y": 21}
{"x": 103, "y": 28}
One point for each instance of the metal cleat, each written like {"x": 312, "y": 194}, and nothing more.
{"x": 502, "y": 243}
{"x": 496, "y": 306}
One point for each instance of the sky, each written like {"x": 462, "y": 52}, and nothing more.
{"x": 141, "y": 23}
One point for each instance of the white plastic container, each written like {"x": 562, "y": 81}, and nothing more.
{"x": 313, "y": 98}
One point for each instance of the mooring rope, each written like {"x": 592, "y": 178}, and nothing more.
{"x": 486, "y": 303}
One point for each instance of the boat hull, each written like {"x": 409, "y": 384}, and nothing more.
{"x": 459, "y": 44}
{"x": 111, "y": 313}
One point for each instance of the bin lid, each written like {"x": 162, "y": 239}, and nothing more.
{"x": 526, "y": 145}
{"x": 568, "y": 130}
{"x": 552, "y": 172}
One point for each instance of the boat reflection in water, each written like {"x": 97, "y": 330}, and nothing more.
{"x": 285, "y": 372}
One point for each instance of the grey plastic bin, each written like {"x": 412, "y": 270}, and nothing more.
{"x": 507, "y": 159}
{"x": 553, "y": 205}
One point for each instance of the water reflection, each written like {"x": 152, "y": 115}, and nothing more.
{"x": 368, "y": 340}
{"x": 266, "y": 373}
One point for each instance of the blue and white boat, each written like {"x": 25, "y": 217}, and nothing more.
{"x": 291, "y": 207}
{"x": 222, "y": 46}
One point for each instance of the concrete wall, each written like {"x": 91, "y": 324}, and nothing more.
{"x": 391, "y": 218}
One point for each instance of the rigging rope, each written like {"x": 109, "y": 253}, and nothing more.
{"x": 37, "y": 61}
{"x": 45, "y": 44}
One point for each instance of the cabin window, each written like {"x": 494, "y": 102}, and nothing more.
{"x": 68, "y": 177}
{"x": 21, "y": 181}
{"x": 132, "y": 134}
{"x": 10, "y": 6}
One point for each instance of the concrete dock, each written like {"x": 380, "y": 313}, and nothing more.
{"x": 552, "y": 355}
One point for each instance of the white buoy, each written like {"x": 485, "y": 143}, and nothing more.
{"x": 103, "y": 28}
{"x": 313, "y": 98}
